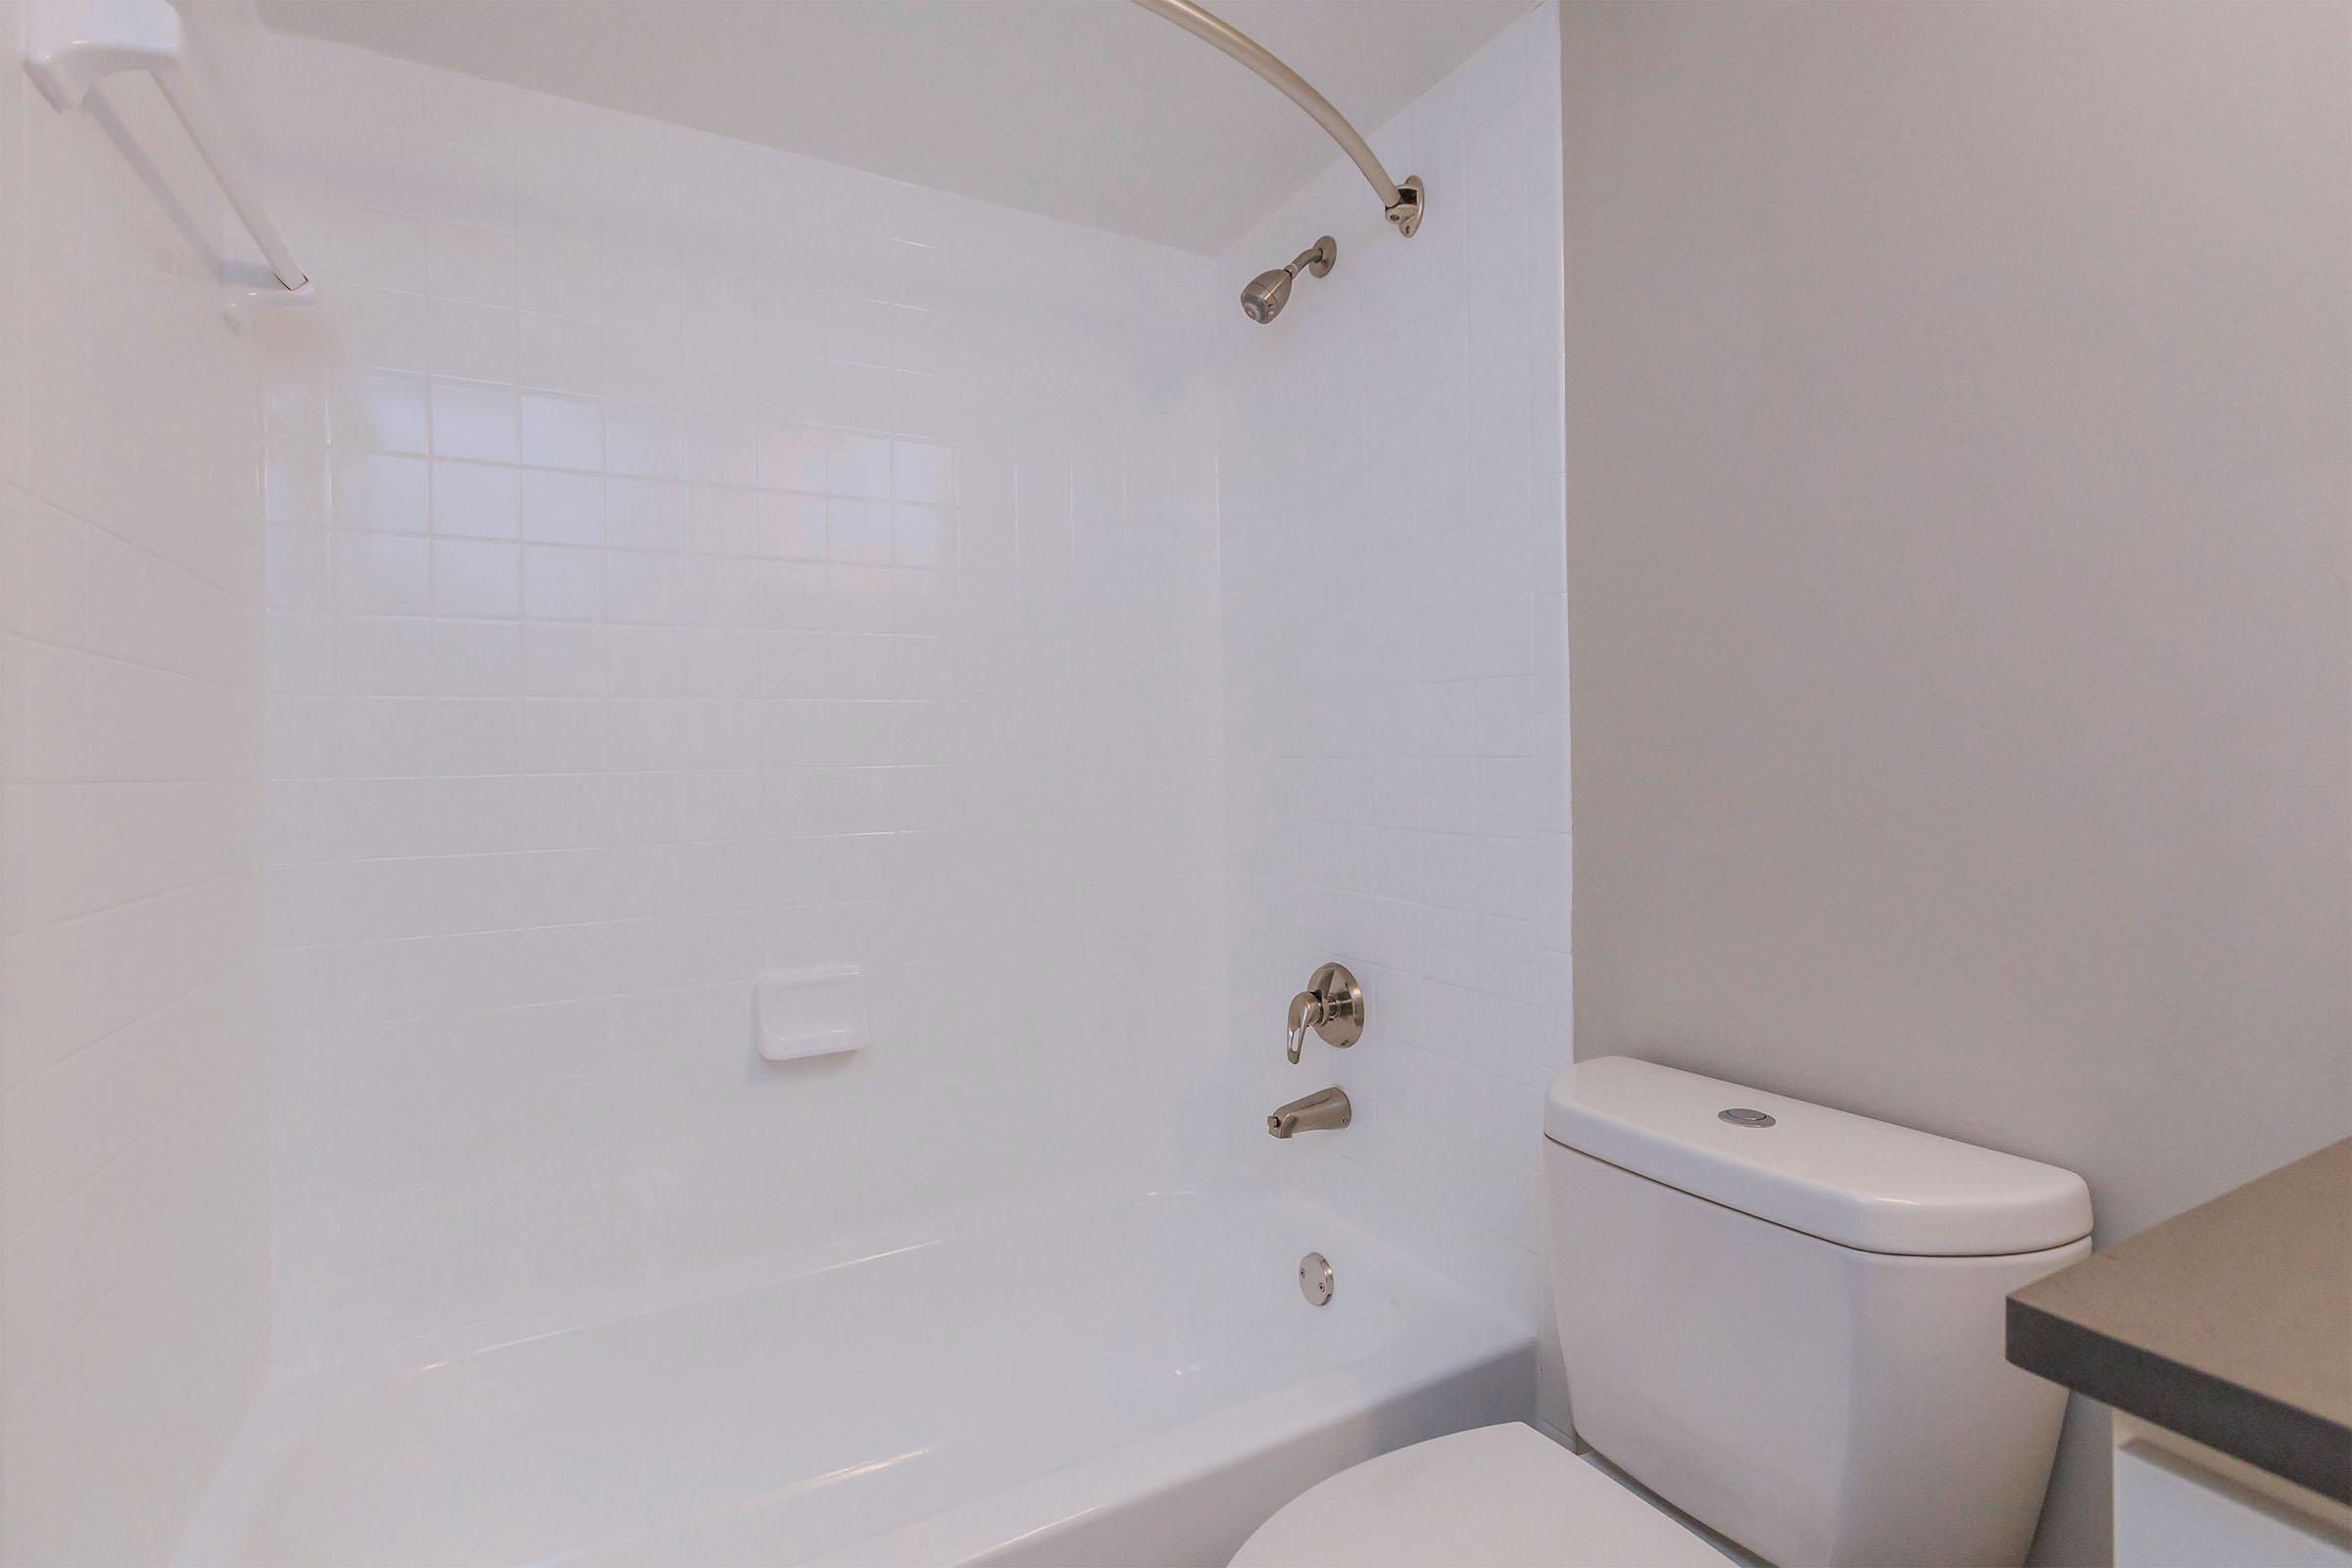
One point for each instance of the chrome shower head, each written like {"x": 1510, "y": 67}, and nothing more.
{"x": 1269, "y": 292}
{"x": 1266, "y": 295}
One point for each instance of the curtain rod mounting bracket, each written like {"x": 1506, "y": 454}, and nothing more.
{"x": 1405, "y": 211}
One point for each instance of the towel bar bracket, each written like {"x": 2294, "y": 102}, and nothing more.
{"x": 71, "y": 45}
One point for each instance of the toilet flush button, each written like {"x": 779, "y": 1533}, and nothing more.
{"x": 1742, "y": 1117}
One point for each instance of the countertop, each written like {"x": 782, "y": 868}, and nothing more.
{"x": 2231, "y": 1324}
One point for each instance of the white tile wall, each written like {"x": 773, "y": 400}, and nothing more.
{"x": 133, "y": 1257}
{"x": 1396, "y": 670}
{"x": 684, "y": 559}
{"x": 687, "y": 560}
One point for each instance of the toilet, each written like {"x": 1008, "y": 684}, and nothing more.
{"x": 1785, "y": 1321}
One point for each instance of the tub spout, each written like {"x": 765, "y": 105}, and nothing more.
{"x": 1324, "y": 1109}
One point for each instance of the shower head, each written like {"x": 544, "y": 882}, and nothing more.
{"x": 1268, "y": 292}
{"x": 1266, "y": 295}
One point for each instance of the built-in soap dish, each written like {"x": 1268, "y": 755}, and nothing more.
{"x": 812, "y": 1013}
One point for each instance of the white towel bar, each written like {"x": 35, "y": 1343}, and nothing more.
{"x": 70, "y": 45}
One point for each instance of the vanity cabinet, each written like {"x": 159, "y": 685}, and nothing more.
{"x": 2178, "y": 1505}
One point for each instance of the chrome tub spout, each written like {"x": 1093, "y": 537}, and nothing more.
{"x": 1322, "y": 1110}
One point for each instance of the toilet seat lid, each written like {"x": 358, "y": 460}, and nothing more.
{"x": 1501, "y": 1497}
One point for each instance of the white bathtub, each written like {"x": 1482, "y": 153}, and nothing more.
{"x": 1134, "y": 1381}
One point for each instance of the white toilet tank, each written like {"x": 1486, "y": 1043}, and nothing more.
{"x": 1788, "y": 1322}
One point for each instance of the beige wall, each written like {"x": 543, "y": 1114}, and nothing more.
{"x": 1960, "y": 577}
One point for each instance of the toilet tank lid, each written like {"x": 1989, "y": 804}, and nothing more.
{"x": 1848, "y": 1179}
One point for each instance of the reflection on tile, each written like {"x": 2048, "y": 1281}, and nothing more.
{"x": 566, "y": 509}
{"x": 378, "y": 412}
{"x": 562, "y": 432}
{"x": 476, "y": 578}
{"x": 478, "y": 499}
{"x": 380, "y": 572}
{"x": 473, "y": 421}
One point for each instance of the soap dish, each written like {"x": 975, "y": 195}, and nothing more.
{"x": 812, "y": 1013}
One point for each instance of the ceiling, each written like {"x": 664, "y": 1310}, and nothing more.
{"x": 1091, "y": 111}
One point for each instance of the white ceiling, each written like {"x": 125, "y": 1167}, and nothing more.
{"x": 1090, "y": 110}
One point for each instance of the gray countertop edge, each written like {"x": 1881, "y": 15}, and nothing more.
{"x": 2293, "y": 1443}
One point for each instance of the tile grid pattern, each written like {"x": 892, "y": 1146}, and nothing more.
{"x": 686, "y": 560}
{"x": 134, "y": 1253}
{"x": 1395, "y": 667}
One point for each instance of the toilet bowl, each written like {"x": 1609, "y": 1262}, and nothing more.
{"x": 1784, "y": 1320}
{"x": 1501, "y": 1497}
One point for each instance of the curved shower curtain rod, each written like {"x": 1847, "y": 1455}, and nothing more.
{"x": 1404, "y": 202}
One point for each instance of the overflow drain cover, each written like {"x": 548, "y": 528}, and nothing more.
{"x": 1742, "y": 1117}
{"x": 1314, "y": 1279}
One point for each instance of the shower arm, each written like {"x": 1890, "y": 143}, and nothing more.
{"x": 1402, "y": 203}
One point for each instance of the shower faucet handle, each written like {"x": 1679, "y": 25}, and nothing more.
{"x": 1332, "y": 1006}
{"x": 1306, "y": 1012}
